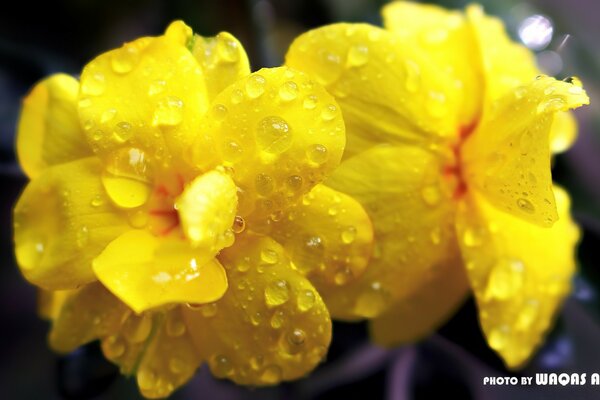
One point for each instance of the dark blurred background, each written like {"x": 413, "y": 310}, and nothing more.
{"x": 39, "y": 38}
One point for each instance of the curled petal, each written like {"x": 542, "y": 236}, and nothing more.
{"x": 62, "y": 221}
{"x": 270, "y": 326}
{"x": 410, "y": 205}
{"x": 388, "y": 89}
{"x": 279, "y": 132}
{"x": 520, "y": 273}
{"x": 50, "y": 302}
{"x": 49, "y": 132}
{"x": 508, "y": 157}
{"x": 146, "y": 271}
{"x": 328, "y": 236}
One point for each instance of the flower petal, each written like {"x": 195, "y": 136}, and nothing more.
{"x": 49, "y": 131}
{"x": 328, "y": 236}
{"x": 563, "y": 131}
{"x": 206, "y": 209}
{"x": 447, "y": 40}
{"x": 270, "y": 326}
{"x": 418, "y": 315}
{"x": 148, "y": 94}
{"x": 387, "y": 88}
{"x": 520, "y": 273}
{"x": 410, "y": 205}
{"x": 62, "y": 221}
{"x": 50, "y": 302}
{"x": 508, "y": 157}
{"x": 277, "y": 142}
{"x": 505, "y": 64}
{"x": 223, "y": 61}
{"x": 170, "y": 358}
{"x": 86, "y": 315}
{"x": 145, "y": 271}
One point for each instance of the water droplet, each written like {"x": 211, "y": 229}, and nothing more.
{"x": 93, "y": 85}
{"x": 257, "y": 362}
{"x": 348, "y": 235}
{"x": 288, "y": 91}
{"x": 227, "y": 49}
{"x": 256, "y": 318}
{"x": 123, "y": 60}
{"x": 175, "y": 326}
{"x": 310, "y": 102}
{"x": 255, "y": 86}
{"x": 146, "y": 379}
{"x": 271, "y": 375}
{"x": 294, "y": 183}
{"x": 328, "y": 112}
{"x": 278, "y": 319}
{"x": 97, "y": 201}
{"x": 232, "y": 151}
{"x": 436, "y": 235}
{"x": 527, "y": 315}
{"x": 317, "y": 154}
{"x": 221, "y": 366}
{"x": 108, "y": 115}
{"x": 274, "y": 135}
{"x": 473, "y": 237}
{"x": 156, "y": 87}
{"x": 306, "y": 300}
{"x": 505, "y": 280}
{"x": 237, "y": 96}
{"x": 431, "y": 195}
{"x": 83, "y": 237}
{"x": 498, "y": 337}
{"x": 113, "y": 347}
{"x": 436, "y": 104}
{"x": 243, "y": 265}
{"x": 85, "y": 103}
{"x": 358, "y": 56}
{"x": 263, "y": 184}
{"x": 127, "y": 178}
{"x": 122, "y": 131}
{"x": 413, "y": 76}
{"x": 177, "y": 365}
{"x": 137, "y": 329}
{"x": 269, "y": 256}
{"x": 525, "y": 205}
{"x": 219, "y": 112}
{"x": 277, "y": 292}
{"x": 168, "y": 112}
{"x": 138, "y": 219}
{"x": 239, "y": 224}
{"x": 342, "y": 276}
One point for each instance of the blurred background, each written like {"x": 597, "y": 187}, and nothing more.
{"x": 37, "y": 39}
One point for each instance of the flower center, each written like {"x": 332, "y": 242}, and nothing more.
{"x": 163, "y": 216}
{"x": 454, "y": 170}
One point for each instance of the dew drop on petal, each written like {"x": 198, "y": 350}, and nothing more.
{"x": 525, "y": 205}
{"x": 113, "y": 347}
{"x": 263, "y": 184}
{"x": 317, "y": 154}
{"x": 288, "y": 91}
{"x": 358, "y": 56}
{"x": 93, "y": 85}
{"x": 277, "y": 292}
{"x": 310, "y": 102}
{"x": 168, "y": 112}
{"x": 274, "y": 135}
{"x": 305, "y": 300}
{"x": 329, "y": 112}
{"x": 124, "y": 59}
{"x": 227, "y": 49}
{"x": 348, "y": 235}
{"x": 269, "y": 256}
{"x": 255, "y": 86}
{"x": 505, "y": 280}
{"x": 271, "y": 374}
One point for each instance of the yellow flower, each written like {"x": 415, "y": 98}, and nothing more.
{"x": 175, "y": 211}
{"x": 450, "y": 129}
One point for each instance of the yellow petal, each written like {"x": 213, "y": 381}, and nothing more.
{"x": 328, "y": 236}
{"x": 148, "y": 94}
{"x": 86, "y": 315}
{"x": 223, "y": 61}
{"x": 270, "y": 326}
{"x": 206, "y": 209}
{"x": 410, "y": 205}
{"x": 62, "y": 221}
{"x": 447, "y": 40}
{"x": 277, "y": 142}
{"x": 388, "y": 89}
{"x": 170, "y": 359}
{"x": 520, "y": 273}
{"x": 508, "y": 157}
{"x": 563, "y": 131}
{"x": 49, "y": 131}
{"x": 51, "y": 301}
{"x": 417, "y": 316}
{"x": 145, "y": 271}
{"x": 504, "y": 63}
